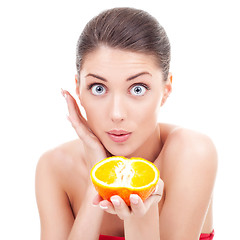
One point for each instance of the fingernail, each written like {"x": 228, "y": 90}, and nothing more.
{"x": 103, "y": 207}
{"x": 115, "y": 202}
{"x": 134, "y": 199}
{"x": 64, "y": 94}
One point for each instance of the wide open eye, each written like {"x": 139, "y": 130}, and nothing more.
{"x": 138, "y": 90}
{"x": 98, "y": 89}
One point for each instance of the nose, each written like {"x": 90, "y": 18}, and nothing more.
{"x": 117, "y": 109}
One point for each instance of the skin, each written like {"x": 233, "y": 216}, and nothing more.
{"x": 181, "y": 207}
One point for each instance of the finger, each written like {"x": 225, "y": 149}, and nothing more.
{"x": 156, "y": 196}
{"x": 73, "y": 108}
{"x": 75, "y": 116}
{"x": 107, "y": 207}
{"x": 153, "y": 199}
{"x": 78, "y": 122}
{"x": 120, "y": 207}
{"x": 137, "y": 205}
{"x": 96, "y": 200}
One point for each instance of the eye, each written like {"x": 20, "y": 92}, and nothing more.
{"x": 138, "y": 90}
{"x": 98, "y": 89}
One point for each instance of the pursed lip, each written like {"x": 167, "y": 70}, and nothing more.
{"x": 118, "y": 132}
{"x": 119, "y": 135}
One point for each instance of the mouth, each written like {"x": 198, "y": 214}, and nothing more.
{"x": 119, "y": 135}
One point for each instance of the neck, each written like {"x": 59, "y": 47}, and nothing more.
{"x": 151, "y": 148}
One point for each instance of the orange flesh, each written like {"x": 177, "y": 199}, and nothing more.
{"x": 118, "y": 173}
{"x": 142, "y": 177}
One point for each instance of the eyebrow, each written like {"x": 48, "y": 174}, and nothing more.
{"x": 128, "y": 79}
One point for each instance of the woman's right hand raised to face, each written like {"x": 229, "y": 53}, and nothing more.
{"x": 94, "y": 150}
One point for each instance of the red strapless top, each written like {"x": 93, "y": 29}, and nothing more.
{"x": 203, "y": 236}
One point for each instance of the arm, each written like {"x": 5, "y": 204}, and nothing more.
{"x": 85, "y": 224}
{"x": 55, "y": 213}
{"x": 57, "y": 220}
{"x": 145, "y": 227}
{"x": 190, "y": 165}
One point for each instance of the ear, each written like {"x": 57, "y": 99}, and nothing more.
{"x": 77, "y": 85}
{"x": 167, "y": 89}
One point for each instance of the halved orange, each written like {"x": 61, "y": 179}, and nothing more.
{"x": 122, "y": 176}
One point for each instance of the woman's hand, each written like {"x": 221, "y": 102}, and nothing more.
{"x": 94, "y": 150}
{"x": 138, "y": 208}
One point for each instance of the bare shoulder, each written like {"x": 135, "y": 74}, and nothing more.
{"x": 61, "y": 160}
{"x": 56, "y": 171}
{"x": 186, "y": 141}
{"x": 188, "y": 150}
{"x": 188, "y": 168}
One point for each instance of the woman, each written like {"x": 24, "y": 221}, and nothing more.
{"x": 122, "y": 80}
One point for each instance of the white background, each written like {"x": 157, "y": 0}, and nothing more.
{"x": 37, "y": 58}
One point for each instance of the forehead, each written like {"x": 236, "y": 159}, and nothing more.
{"x": 106, "y": 60}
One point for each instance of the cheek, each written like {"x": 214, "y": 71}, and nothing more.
{"x": 147, "y": 112}
{"x": 91, "y": 112}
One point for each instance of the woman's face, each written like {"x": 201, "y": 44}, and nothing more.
{"x": 121, "y": 93}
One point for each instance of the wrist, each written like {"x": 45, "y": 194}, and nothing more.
{"x": 145, "y": 227}
{"x": 84, "y": 218}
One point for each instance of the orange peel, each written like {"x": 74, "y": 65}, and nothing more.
{"x": 122, "y": 176}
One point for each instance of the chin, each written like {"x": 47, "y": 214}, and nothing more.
{"x": 124, "y": 151}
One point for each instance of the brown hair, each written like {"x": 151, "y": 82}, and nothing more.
{"x": 126, "y": 29}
